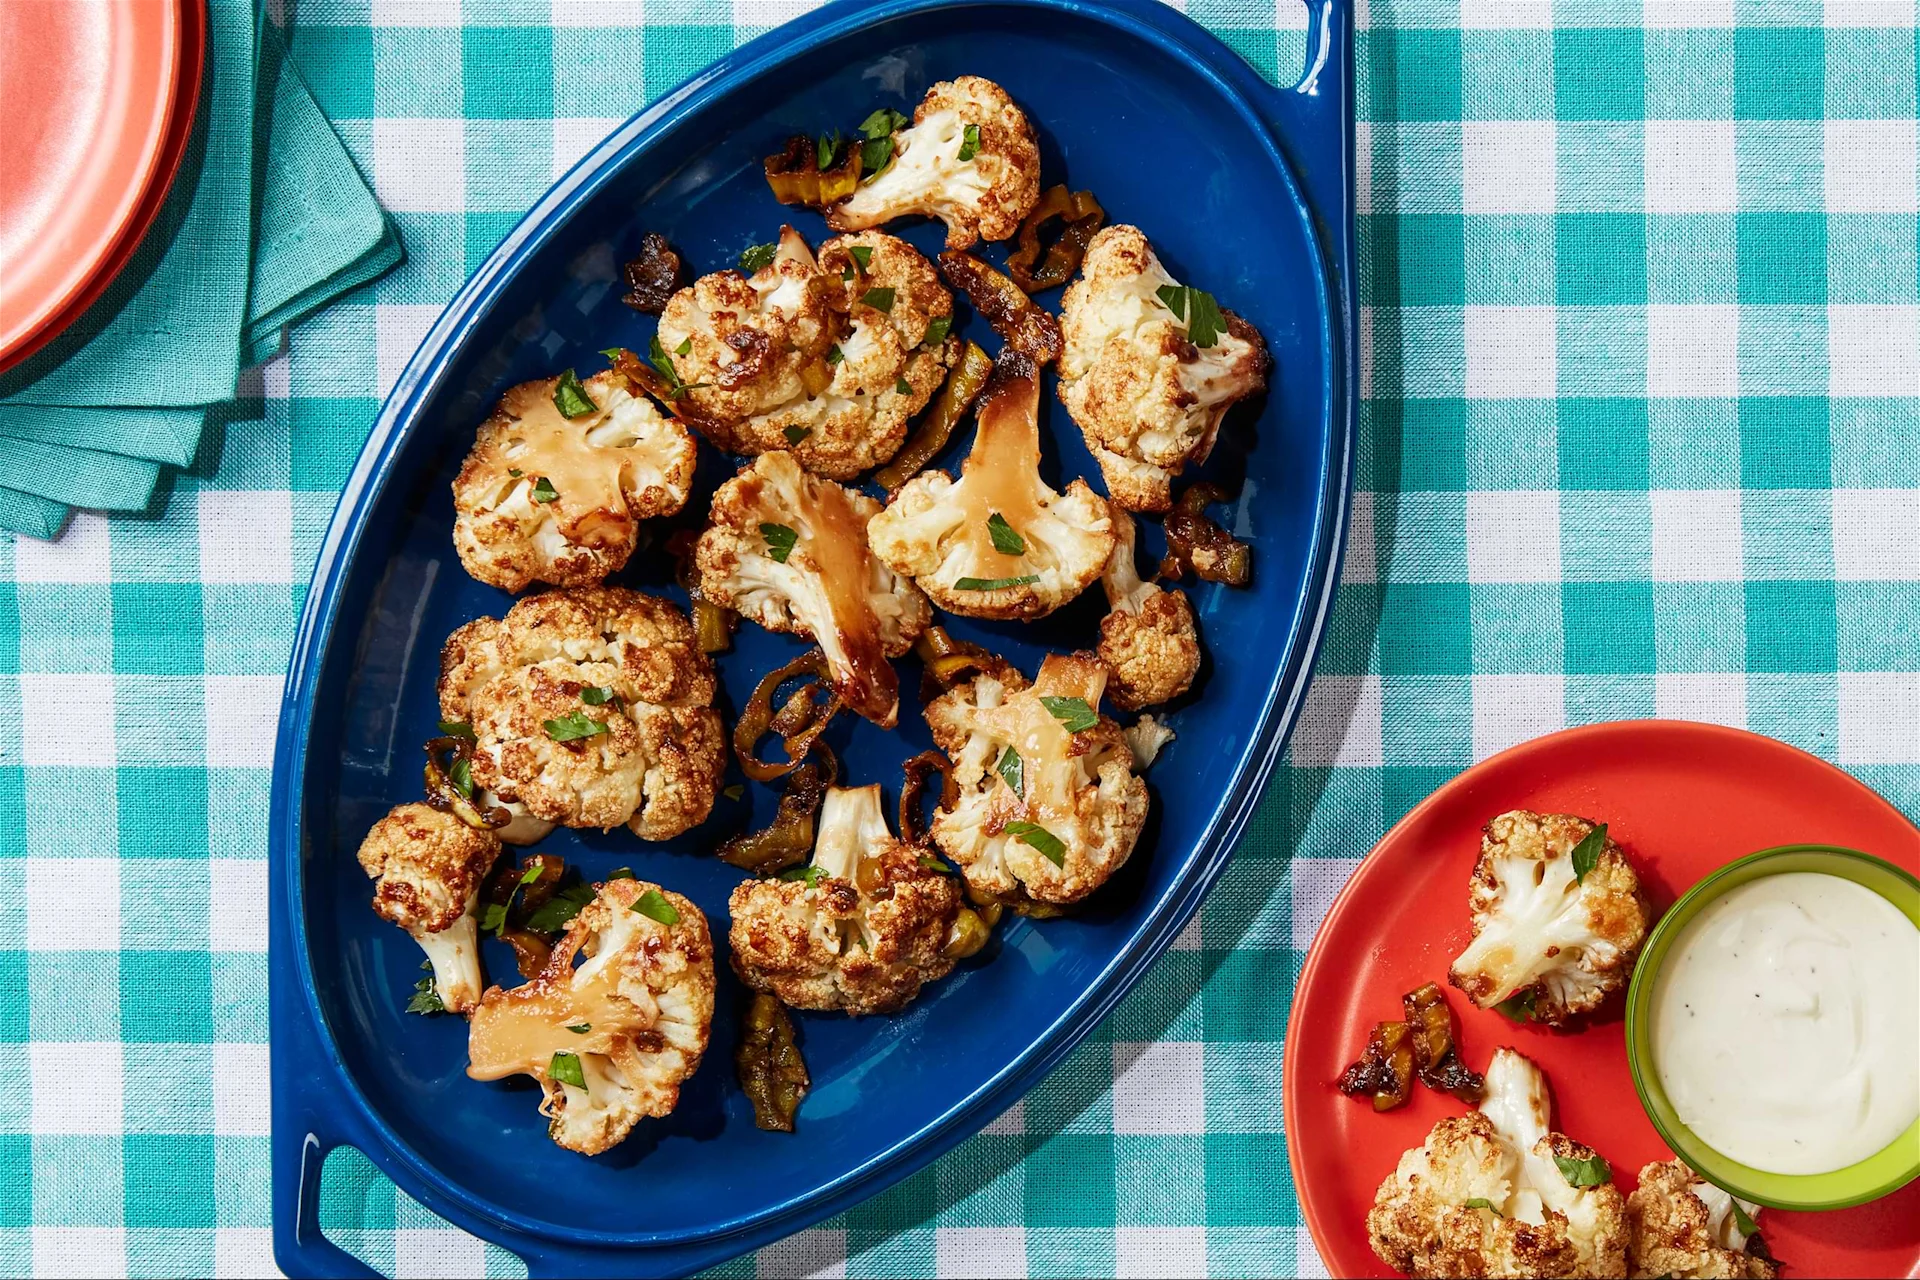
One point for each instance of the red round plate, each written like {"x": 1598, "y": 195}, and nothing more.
{"x": 96, "y": 101}
{"x": 1682, "y": 799}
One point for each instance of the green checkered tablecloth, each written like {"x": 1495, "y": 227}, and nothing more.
{"x": 1640, "y": 435}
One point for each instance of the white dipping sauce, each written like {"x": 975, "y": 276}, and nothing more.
{"x": 1786, "y": 1023}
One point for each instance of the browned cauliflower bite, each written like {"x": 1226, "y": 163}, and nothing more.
{"x": 861, "y": 929}
{"x": 589, "y": 708}
{"x": 427, "y": 868}
{"x": 1494, "y": 1193}
{"x": 610, "y": 1039}
{"x": 997, "y": 542}
{"x": 1148, "y": 369}
{"x": 828, "y": 359}
{"x": 1558, "y": 917}
{"x": 969, "y": 159}
{"x": 1148, "y": 639}
{"x": 1049, "y": 807}
{"x": 559, "y": 479}
{"x": 1689, "y": 1229}
{"x": 789, "y": 550}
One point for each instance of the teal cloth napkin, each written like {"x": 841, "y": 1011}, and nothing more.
{"x": 269, "y": 220}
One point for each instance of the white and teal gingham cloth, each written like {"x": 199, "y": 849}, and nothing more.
{"x": 1639, "y": 435}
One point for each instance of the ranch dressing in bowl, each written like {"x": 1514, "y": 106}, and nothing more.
{"x": 1786, "y": 1023}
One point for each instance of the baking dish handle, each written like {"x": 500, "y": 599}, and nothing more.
{"x": 300, "y": 1150}
{"x": 1314, "y": 119}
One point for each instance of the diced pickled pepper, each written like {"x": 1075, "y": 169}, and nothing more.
{"x": 772, "y": 1072}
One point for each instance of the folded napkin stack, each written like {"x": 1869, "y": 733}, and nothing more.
{"x": 267, "y": 221}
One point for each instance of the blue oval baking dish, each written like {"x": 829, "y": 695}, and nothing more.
{"x": 1244, "y": 189}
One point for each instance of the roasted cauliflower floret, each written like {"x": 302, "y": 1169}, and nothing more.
{"x": 589, "y": 708}
{"x": 790, "y": 551}
{"x": 549, "y": 497}
{"x": 828, "y": 359}
{"x": 1049, "y": 808}
{"x": 1552, "y": 928}
{"x": 1495, "y": 1194}
{"x": 969, "y": 159}
{"x": 1148, "y": 639}
{"x": 611, "y": 1040}
{"x": 865, "y": 926}
{"x": 1147, "y": 395}
{"x": 1687, "y": 1228}
{"x": 427, "y": 868}
{"x": 997, "y": 543}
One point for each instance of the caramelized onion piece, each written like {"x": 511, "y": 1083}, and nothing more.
{"x": 797, "y": 178}
{"x": 789, "y": 841}
{"x": 772, "y": 1072}
{"x": 1385, "y": 1070}
{"x": 1083, "y": 216}
{"x": 518, "y": 898}
{"x": 1021, "y": 325}
{"x": 965, "y": 381}
{"x": 1197, "y": 544}
{"x": 444, "y": 796}
{"x": 801, "y": 720}
{"x": 713, "y": 624}
{"x": 1435, "y": 1055}
{"x": 918, "y": 770}
{"x": 945, "y": 661}
{"x": 653, "y": 277}
{"x": 971, "y": 930}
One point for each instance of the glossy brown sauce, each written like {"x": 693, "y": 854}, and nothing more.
{"x": 999, "y": 473}
{"x": 590, "y": 504}
{"x": 518, "y": 1032}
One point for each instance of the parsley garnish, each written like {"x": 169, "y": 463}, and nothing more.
{"x": 685, "y": 348}
{"x": 827, "y": 149}
{"x": 756, "y": 256}
{"x": 570, "y": 398}
{"x": 1517, "y": 1008}
{"x": 1748, "y": 1227}
{"x": 834, "y": 354}
{"x": 426, "y": 999}
{"x": 572, "y": 727}
{"x": 1012, "y": 772}
{"x": 937, "y": 330}
{"x": 881, "y": 123}
{"x": 1038, "y": 838}
{"x": 880, "y": 299}
{"x": 1006, "y": 539}
{"x": 795, "y": 434}
{"x": 1073, "y": 713}
{"x": 658, "y": 358}
{"x": 930, "y": 863}
{"x": 1590, "y": 1172}
{"x": 461, "y": 776}
{"x": 876, "y": 153}
{"x": 543, "y": 490}
{"x": 1197, "y": 310}
{"x": 596, "y": 696}
{"x": 969, "y": 143}
{"x": 515, "y": 472}
{"x": 654, "y": 906}
{"x": 780, "y": 541}
{"x": 1481, "y": 1202}
{"x": 734, "y": 792}
{"x": 994, "y": 584}
{"x": 458, "y": 729}
{"x": 565, "y": 1068}
{"x": 861, "y": 254}
{"x": 557, "y": 911}
{"x": 1588, "y": 852}
{"x": 494, "y": 918}
{"x": 902, "y": 386}
{"x": 846, "y": 273}
{"x": 580, "y": 1028}
{"x": 811, "y": 874}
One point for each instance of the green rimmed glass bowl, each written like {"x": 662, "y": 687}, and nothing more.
{"x": 1882, "y": 1173}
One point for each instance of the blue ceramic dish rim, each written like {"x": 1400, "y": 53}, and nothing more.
{"x": 1329, "y": 38}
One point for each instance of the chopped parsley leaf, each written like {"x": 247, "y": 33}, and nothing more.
{"x": 995, "y": 584}
{"x": 685, "y": 348}
{"x": 1481, "y": 1202}
{"x": 515, "y": 472}
{"x": 882, "y": 123}
{"x": 835, "y": 355}
{"x": 426, "y": 999}
{"x": 573, "y": 727}
{"x": 734, "y": 792}
{"x": 1588, "y": 851}
{"x": 930, "y": 863}
{"x": 1591, "y": 1172}
{"x": 780, "y": 541}
{"x": 1073, "y": 713}
{"x": 458, "y": 729}
{"x": 554, "y": 914}
{"x": 795, "y": 434}
{"x": 756, "y": 256}
{"x": 1012, "y": 772}
{"x": 654, "y": 906}
{"x": 1197, "y": 310}
{"x": 1038, "y": 838}
{"x": 570, "y": 398}
{"x": 460, "y": 774}
{"x": 861, "y": 254}
{"x": 811, "y": 874}
{"x": 565, "y": 1068}
{"x": 596, "y": 696}
{"x": 880, "y": 299}
{"x": 937, "y": 330}
{"x": 543, "y": 490}
{"x": 969, "y": 143}
{"x": 903, "y": 387}
{"x": 1006, "y": 539}
{"x": 1517, "y": 1008}
{"x": 580, "y": 1028}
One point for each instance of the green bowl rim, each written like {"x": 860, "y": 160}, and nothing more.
{"x": 1647, "y": 1086}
